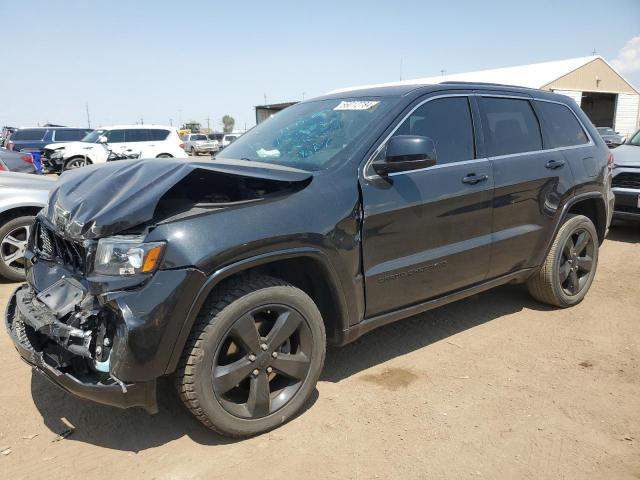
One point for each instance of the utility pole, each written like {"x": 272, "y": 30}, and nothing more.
{"x": 208, "y": 120}
{"x": 400, "y": 68}
{"x": 86, "y": 106}
{"x": 265, "y": 98}
{"x": 171, "y": 122}
{"x": 442, "y": 72}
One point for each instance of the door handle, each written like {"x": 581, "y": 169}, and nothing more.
{"x": 472, "y": 178}
{"x": 553, "y": 164}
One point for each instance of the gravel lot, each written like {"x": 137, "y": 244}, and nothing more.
{"x": 495, "y": 386}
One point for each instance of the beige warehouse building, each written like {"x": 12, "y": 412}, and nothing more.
{"x": 606, "y": 97}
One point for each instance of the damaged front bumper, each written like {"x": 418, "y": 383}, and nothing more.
{"x": 33, "y": 328}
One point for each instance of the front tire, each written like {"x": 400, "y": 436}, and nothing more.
{"x": 570, "y": 267}
{"x": 76, "y": 162}
{"x": 14, "y": 236}
{"x": 253, "y": 357}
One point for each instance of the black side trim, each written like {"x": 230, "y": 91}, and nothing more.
{"x": 369, "y": 324}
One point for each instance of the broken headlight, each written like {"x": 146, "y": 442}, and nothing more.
{"x": 125, "y": 256}
{"x": 56, "y": 154}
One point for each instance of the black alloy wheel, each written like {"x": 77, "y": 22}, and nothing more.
{"x": 576, "y": 262}
{"x": 567, "y": 272}
{"x": 253, "y": 357}
{"x": 262, "y": 361}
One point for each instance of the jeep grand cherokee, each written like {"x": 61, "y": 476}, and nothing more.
{"x": 336, "y": 216}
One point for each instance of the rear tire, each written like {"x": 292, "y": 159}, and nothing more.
{"x": 253, "y": 357}
{"x": 570, "y": 266}
{"x": 193, "y": 152}
{"x": 164, "y": 155}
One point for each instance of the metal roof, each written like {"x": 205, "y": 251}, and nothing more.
{"x": 535, "y": 75}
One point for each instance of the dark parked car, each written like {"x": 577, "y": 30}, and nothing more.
{"x": 29, "y": 139}
{"x": 610, "y": 136}
{"x": 16, "y": 161}
{"x": 626, "y": 179}
{"x": 338, "y": 215}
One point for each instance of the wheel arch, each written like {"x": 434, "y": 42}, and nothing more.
{"x": 305, "y": 268}
{"x": 592, "y": 206}
{"x": 19, "y": 211}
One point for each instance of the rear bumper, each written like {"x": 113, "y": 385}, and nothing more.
{"x": 206, "y": 149}
{"x": 140, "y": 394}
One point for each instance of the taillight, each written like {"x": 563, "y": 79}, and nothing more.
{"x": 182, "y": 146}
{"x": 26, "y": 158}
{"x": 2, "y": 167}
{"x": 610, "y": 161}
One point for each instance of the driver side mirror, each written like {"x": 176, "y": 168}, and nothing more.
{"x": 405, "y": 153}
{"x": 102, "y": 139}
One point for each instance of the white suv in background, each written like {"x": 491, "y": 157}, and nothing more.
{"x": 150, "y": 141}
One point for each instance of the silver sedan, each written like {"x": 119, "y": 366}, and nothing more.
{"x": 21, "y": 198}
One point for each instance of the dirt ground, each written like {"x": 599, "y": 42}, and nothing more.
{"x": 495, "y": 386}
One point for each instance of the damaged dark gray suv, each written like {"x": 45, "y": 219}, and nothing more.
{"x": 336, "y": 216}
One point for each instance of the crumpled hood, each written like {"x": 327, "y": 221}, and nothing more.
{"x": 627, "y": 156}
{"x": 102, "y": 200}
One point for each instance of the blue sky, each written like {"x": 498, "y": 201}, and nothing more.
{"x": 161, "y": 60}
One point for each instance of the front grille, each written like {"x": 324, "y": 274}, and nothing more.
{"x": 626, "y": 180}
{"x": 53, "y": 247}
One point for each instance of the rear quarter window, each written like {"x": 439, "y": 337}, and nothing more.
{"x": 510, "y": 126}
{"x": 158, "y": 135}
{"x": 560, "y": 126}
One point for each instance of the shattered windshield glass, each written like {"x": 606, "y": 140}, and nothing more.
{"x": 308, "y": 135}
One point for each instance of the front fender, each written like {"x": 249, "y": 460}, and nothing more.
{"x": 245, "y": 265}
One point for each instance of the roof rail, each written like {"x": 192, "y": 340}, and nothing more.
{"x": 489, "y": 84}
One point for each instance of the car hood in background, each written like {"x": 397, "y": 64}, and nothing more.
{"x": 627, "y": 156}
{"x": 26, "y": 181}
{"x": 102, "y": 200}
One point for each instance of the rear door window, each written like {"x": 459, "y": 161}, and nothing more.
{"x": 137, "y": 135}
{"x": 29, "y": 134}
{"x": 69, "y": 135}
{"x": 560, "y": 126}
{"x": 447, "y": 121}
{"x": 510, "y": 126}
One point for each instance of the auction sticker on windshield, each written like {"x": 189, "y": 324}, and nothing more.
{"x": 356, "y": 105}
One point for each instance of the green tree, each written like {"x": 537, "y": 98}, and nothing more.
{"x": 229, "y": 122}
